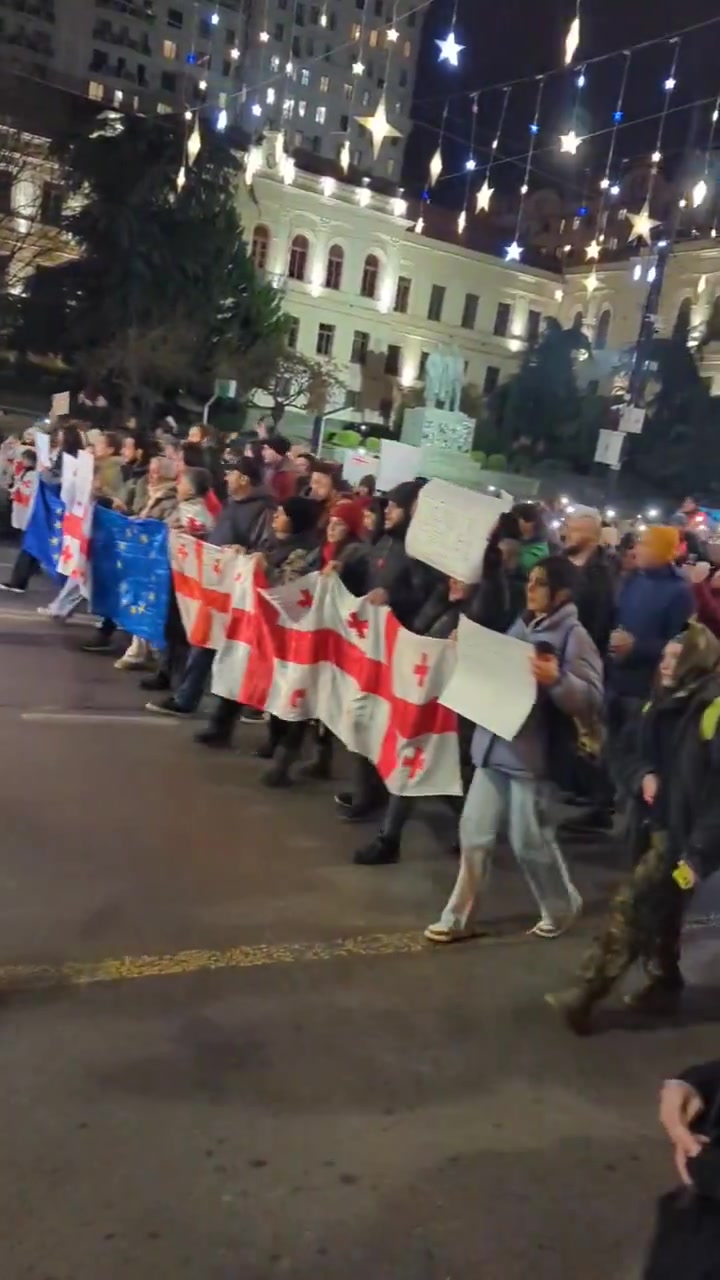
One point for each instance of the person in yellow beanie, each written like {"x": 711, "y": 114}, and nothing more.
{"x": 654, "y": 606}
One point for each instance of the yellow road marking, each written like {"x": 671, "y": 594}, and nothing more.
{"x": 124, "y": 968}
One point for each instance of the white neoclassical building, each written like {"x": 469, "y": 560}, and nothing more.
{"x": 364, "y": 289}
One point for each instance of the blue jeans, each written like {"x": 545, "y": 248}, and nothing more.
{"x": 494, "y": 798}
{"x": 192, "y": 686}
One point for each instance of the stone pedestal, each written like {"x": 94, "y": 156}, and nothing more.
{"x": 438, "y": 428}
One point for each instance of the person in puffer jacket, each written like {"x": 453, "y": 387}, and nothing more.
{"x": 511, "y": 779}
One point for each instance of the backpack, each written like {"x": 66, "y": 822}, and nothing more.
{"x": 573, "y": 748}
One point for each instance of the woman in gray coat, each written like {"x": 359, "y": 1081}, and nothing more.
{"x": 511, "y": 786}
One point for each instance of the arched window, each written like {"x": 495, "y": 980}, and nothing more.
{"x": 371, "y": 272}
{"x": 333, "y": 277}
{"x": 260, "y": 247}
{"x": 603, "y": 328}
{"x": 297, "y": 265}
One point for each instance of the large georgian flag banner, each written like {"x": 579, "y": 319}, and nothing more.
{"x": 310, "y": 650}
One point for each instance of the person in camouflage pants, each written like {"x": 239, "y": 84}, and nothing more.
{"x": 671, "y": 764}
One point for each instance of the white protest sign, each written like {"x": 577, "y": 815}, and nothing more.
{"x": 632, "y": 419}
{"x": 450, "y": 528}
{"x": 67, "y": 484}
{"x": 59, "y": 405}
{"x": 398, "y": 462}
{"x": 492, "y": 683}
{"x": 357, "y": 465}
{"x": 42, "y": 449}
{"x": 609, "y": 447}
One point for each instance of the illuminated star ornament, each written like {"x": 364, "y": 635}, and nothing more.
{"x": 345, "y": 156}
{"x": 592, "y": 251}
{"x": 569, "y": 142}
{"x": 436, "y": 167}
{"x": 450, "y": 50}
{"x": 591, "y": 282}
{"x": 358, "y": 68}
{"x": 378, "y": 126}
{"x": 484, "y": 197}
{"x": 642, "y": 224}
{"x": 572, "y": 41}
{"x": 513, "y": 252}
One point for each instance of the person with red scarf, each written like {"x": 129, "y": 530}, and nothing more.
{"x": 345, "y": 550}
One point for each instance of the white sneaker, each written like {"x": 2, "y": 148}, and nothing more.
{"x": 131, "y": 664}
{"x": 445, "y": 933}
{"x": 46, "y": 612}
{"x": 546, "y": 927}
{"x": 17, "y": 591}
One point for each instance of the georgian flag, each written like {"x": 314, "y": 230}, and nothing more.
{"x": 24, "y": 492}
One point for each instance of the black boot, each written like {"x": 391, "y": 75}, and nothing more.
{"x": 659, "y": 997}
{"x": 214, "y": 736}
{"x": 279, "y": 775}
{"x": 381, "y": 852}
{"x": 575, "y": 1007}
{"x": 159, "y": 683}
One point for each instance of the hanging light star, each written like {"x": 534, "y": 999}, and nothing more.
{"x": 642, "y": 224}
{"x": 392, "y": 35}
{"x": 222, "y": 120}
{"x": 572, "y": 41}
{"x": 591, "y": 282}
{"x": 420, "y": 225}
{"x": 378, "y": 126}
{"x": 264, "y": 37}
{"x": 462, "y": 222}
{"x": 194, "y": 142}
{"x": 699, "y": 193}
{"x": 483, "y": 197}
{"x": 436, "y": 167}
{"x": 592, "y": 251}
{"x": 181, "y": 179}
{"x": 450, "y": 50}
{"x": 358, "y": 68}
{"x": 513, "y": 252}
{"x": 569, "y": 142}
{"x": 345, "y": 156}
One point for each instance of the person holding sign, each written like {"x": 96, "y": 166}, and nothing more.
{"x": 513, "y": 780}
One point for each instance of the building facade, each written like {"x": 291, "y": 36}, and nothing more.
{"x": 364, "y": 290}
{"x": 310, "y": 68}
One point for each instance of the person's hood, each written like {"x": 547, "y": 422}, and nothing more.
{"x": 551, "y": 628}
{"x": 699, "y": 657}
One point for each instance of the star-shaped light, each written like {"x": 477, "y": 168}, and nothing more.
{"x": 699, "y": 192}
{"x": 642, "y": 224}
{"x": 392, "y": 35}
{"x": 592, "y": 251}
{"x": 181, "y": 178}
{"x": 462, "y": 222}
{"x": 449, "y": 49}
{"x": 572, "y": 41}
{"x": 358, "y": 68}
{"x": 419, "y": 226}
{"x": 378, "y": 126}
{"x": 194, "y": 142}
{"x": 436, "y": 167}
{"x": 513, "y": 252}
{"x": 483, "y": 197}
{"x": 569, "y": 142}
{"x": 264, "y": 37}
{"x": 345, "y": 156}
{"x": 591, "y": 282}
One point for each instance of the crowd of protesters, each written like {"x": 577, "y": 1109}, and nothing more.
{"x": 625, "y": 646}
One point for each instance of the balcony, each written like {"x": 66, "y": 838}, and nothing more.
{"x": 42, "y": 9}
{"x": 119, "y": 71}
{"x": 122, "y": 39}
{"x": 21, "y": 38}
{"x": 140, "y": 9}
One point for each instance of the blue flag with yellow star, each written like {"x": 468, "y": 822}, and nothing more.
{"x": 130, "y": 574}
{"x": 43, "y": 535}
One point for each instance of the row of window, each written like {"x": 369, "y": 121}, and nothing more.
{"x": 360, "y": 349}
{"x": 276, "y": 62}
{"x": 317, "y": 16}
{"x": 297, "y": 269}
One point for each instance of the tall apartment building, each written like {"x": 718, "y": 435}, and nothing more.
{"x": 308, "y": 68}
{"x": 313, "y": 68}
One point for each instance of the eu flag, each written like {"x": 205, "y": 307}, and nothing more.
{"x": 130, "y": 573}
{"x": 43, "y": 536}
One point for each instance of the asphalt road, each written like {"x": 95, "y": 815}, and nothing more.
{"x": 228, "y": 1055}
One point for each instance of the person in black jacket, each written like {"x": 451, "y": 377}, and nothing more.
{"x": 686, "y": 1242}
{"x": 595, "y": 596}
{"x": 671, "y": 765}
{"x": 494, "y": 602}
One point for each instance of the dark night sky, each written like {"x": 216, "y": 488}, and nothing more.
{"x": 516, "y": 38}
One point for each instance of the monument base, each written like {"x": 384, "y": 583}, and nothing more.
{"x": 439, "y": 428}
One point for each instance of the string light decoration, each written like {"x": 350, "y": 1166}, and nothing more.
{"x": 378, "y": 125}
{"x": 513, "y": 252}
{"x": 572, "y": 40}
{"x": 700, "y": 189}
{"x": 569, "y": 142}
{"x": 470, "y": 166}
{"x": 642, "y": 224}
{"x": 436, "y": 164}
{"x": 449, "y": 48}
{"x": 486, "y": 192}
